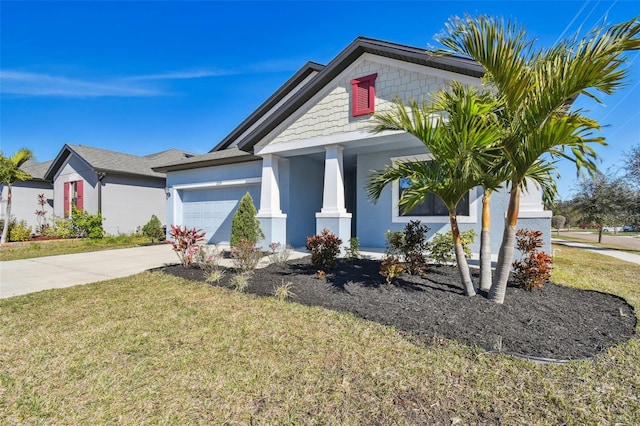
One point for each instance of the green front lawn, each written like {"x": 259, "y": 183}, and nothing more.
{"x": 28, "y": 250}
{"x": 154, "y": 349}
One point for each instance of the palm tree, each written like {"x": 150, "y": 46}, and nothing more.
{"x": 538, "y": 88}
{"x": 460, "y": 129}
{"x": 9, "y": 173}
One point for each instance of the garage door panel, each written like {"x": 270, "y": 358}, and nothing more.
{"x": 212, "y": 210}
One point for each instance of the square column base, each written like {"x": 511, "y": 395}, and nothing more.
{"x": 274, "y": 229}
{"x": 337, "y": 225}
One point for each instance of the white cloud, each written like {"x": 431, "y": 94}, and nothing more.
{"x": 43, "y": 85}
{"x": 178, "y": 75}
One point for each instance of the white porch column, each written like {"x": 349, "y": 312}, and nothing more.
{"x": 272, "y": 221}
{"x": 333, "y": 215}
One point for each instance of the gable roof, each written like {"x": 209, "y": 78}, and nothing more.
{"x": 36, "y": 169}
{"x": 352, "y": 52}
{"x": 104, "y": 160}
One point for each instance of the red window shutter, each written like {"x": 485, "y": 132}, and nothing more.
{"x": 67, "y": 199}
{"x": 80, "y": 195}
{"x": 363, "y": 95}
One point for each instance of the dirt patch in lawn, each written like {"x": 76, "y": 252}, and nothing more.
{"x": 556, "y": 322}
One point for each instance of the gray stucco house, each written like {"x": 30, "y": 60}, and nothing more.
{"x": 305, "y": 155}
{"x": 24, "y": 202}
{"x": 123, "y": 187}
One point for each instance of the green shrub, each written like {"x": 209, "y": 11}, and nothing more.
{"x": 86, "y": 225}
{"x": 411, "y": 244}
{"x": 442, "y": 251}
{"x": 244, "y": 224}
{"x": 60, "y": 228}
{"x": 153, "y": 229}
{"x": 324, "y": 249}
{"x": 19, "y": 231}
{"x": 534, "y": 269}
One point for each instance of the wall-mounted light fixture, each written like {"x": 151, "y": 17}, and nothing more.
{"x": 167, "y": 191}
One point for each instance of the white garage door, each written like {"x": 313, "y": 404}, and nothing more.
{"x": 212, "y": 210}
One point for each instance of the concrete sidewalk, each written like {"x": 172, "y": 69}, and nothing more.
{"x": 42, "y": 273}
{"x": 619, "y": 254}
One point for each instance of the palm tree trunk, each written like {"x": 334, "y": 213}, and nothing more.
{"x": 507, "y": 249}
{"x": 463, "y": 267}
{"x": 485, "y": 243}
{"x": 7, "y": 217}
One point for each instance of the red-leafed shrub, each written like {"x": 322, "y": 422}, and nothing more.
{"x": 534, "y": 269}
{"x": 185, "y": 243}
{"x": 324, "y": 249}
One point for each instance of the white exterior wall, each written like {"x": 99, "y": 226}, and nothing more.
{"x": 129, "y": 202}
{"x": 329, "y": 112}
{"x": 24, "y": 201}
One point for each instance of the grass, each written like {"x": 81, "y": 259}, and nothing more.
{"x": 155, "y": 349}
{"x": 29, "y": 250}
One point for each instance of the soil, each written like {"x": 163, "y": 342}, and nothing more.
{"x": 555, "y": 323}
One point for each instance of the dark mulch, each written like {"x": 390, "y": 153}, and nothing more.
{"x": 556, "y": 322}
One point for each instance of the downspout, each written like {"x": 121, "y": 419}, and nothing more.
{"x": 101, "y": 175}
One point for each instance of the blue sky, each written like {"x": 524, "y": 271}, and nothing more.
{"x": 141, "y": 77}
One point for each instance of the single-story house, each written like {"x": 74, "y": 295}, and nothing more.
{"x": 24, "y": 194}
{"x": 123, "y": 187}
{"x": 305, "y": 155}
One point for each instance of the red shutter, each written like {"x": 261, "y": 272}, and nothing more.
{"x": 67, "y": 198}
{"x": 80, "y": 195}
{"x": 363, "y": 95}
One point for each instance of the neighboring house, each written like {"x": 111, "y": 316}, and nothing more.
{"x": 122, "y": 187}
{"x": 306, "y": 153}
{"x": 24, "y": 201}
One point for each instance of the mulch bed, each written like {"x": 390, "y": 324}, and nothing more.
{"x": 556, "y": 322}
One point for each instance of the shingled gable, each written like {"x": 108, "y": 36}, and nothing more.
{"x": 356, "y": 49}
{"x": 103, "y": 160}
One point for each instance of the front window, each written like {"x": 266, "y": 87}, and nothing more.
{"x": 433, "y": 209}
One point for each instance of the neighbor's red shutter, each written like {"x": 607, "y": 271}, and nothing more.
{"x": 67, "y": 196}
{"x": 80, "y": 195}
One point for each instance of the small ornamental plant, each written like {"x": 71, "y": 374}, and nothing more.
{"x": 245, "y": 255}
{"x": 324, "y": 249}
{"x": 442, "y": 251}
{"x": 353, "y": 251}
{"x": 411, "y": 245}
{"x": 534, "y": 269}
{"x": 41, "y": 213}
{"x": 279, "y": 254}
{"x": 185, "y": 243}
{"x": 390, "y": 268}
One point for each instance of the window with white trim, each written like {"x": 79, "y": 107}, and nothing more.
{"x": 433, "y": 209}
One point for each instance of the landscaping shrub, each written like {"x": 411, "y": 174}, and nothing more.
{"x": 60, "y": 228}
{"x": 185, "y": 243}
{"x": 390, "y": 268}
{"x": 207, "y": 257}
{"x": 153, "y": 229}
{"x": 85, "y": 224}
{"x": 240, "y": 282}
{"x": 534, "y": 269}
{"x": 283, "y": 291}
{"x": 41, "y": 213}
{"x": 244, "y": 224}
{"x": 411, "y": 244}
{"x": 19, "y": 231}
{"x": 324, "y": 249}
{"x": 442, "y": 251}
{"x": 245, "y": 255}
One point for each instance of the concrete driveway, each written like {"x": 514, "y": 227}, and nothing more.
{"x": 30, "y": 275}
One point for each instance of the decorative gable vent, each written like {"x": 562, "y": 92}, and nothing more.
{"x": 363, "y": 95}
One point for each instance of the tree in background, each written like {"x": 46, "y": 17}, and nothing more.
{"x": 632, "y": 166}
{"x": 603, "y": 200}
{"x": 245, "y": 225}
{"x": 9, "y": 174}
